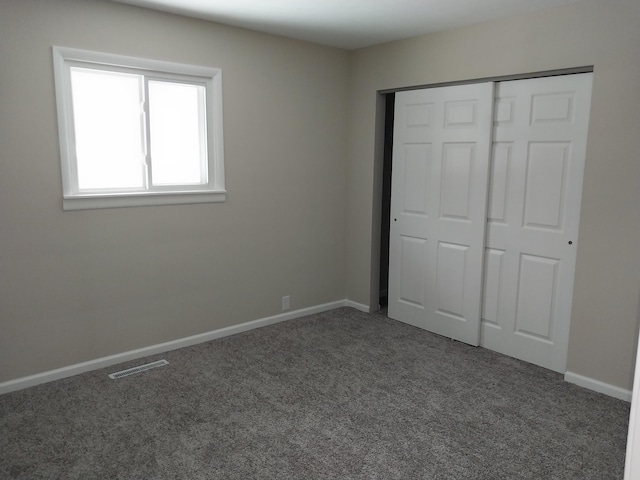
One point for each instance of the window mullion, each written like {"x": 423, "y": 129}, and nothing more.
{"x": 146, "y": 140}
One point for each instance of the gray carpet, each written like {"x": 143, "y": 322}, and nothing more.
{"x": 338, "y": 395}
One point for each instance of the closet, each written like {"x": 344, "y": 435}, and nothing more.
{"x": 485, "y": 205}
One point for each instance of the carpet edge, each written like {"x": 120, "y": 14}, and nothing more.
{"x": 102, "y": 362}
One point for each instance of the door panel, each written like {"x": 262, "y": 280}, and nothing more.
{"x": 501, "y": 159}
{"x": 536, "y": 296}
{"x": 538, "y": 154}
{"x": 416, "y": 178}
{"x": 493, "y": 271}
{"x": 413, "y": 270}
{"x": 438, "y": 208}
{"x": 451, "y": 279}
{"x": 457, "y": 161}
{"x": 545, "y": 184}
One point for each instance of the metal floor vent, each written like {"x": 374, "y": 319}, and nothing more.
{"x": 141, "y": 368}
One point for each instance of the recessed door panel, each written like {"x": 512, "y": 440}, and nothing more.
{"x": 460, "y": 113}
{"x": 504, "y": 110}
{"x": 499, "y": 185}
{"x": 536, "y": 295}
{"x": 451, "y": 278}
{"x": 413, "y": 270}
{"x": 457, "y": 161}
{"x": 552, "y": 108}
{"x": 419, "y": 115}
{"x": 493, "y": 266}
{"x": 416, "y": 178}
{"x": 545, "y": 184}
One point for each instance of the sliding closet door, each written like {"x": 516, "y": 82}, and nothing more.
{"x": 540, "y": 133}
{"x": 438, "y": 208}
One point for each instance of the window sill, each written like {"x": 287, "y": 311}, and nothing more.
{"x": 94, "y": 201}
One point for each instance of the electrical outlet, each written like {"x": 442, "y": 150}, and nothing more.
{"x": 285, "y": 302}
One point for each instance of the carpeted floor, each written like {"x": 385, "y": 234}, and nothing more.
{"x": 338, "y": 395}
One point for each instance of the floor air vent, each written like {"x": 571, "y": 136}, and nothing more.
{"x": 141, "y": 368}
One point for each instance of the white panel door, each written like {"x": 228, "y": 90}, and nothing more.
{"x": 537, "y": 164}
{"x": 438, "y": 208}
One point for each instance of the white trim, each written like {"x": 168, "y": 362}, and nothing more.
{"x": 212, "y": 169}
{"x": 598, "y": 386}
{"x": 358, "y": 306}
{"x": 78, "y": 368}
{"x": 137, "y": 63}
{"x": 85, "y": 202}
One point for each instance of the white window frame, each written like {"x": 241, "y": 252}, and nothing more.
{"x": 211, "y": 78}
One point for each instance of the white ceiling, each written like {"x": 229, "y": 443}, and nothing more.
{"x": 349, "y": 24}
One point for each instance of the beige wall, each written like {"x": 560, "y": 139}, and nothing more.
{"x": 603, "y": 34}
{"x": 76, "y": 286}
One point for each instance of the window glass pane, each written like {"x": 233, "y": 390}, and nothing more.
{"x": 108, "y": 129}
{"x": 177, "y": 128}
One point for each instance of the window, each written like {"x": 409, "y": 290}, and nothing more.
{"x": 137, "y": 131}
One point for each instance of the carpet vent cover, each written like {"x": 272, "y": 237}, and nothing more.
{"x": 141, "y": 368}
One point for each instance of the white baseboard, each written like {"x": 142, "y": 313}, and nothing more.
{"x": 598, "y": 386}
{"x": 357, "y": 306}
{"x": 71, "y": 370}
